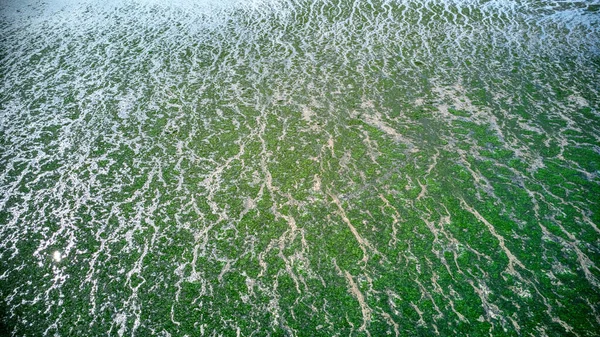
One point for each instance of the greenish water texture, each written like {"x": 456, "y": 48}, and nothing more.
{"x": 300, "y": 168}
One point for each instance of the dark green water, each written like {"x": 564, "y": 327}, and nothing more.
{"x": 300, "y": 168}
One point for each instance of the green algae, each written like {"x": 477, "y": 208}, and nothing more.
{"x": 204, "y": 167}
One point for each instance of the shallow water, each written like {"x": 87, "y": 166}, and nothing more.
{"x": 300, "y": 168}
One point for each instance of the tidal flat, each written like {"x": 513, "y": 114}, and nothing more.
{"x": 300, "y": 168}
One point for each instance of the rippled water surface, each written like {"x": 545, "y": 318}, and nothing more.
{"x": 300, "y": 168}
